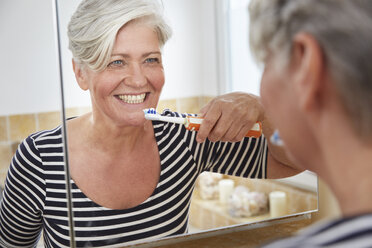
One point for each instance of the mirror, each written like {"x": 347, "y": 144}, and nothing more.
{"x": 189, "y": 85}
{"x": 201, "y": 75}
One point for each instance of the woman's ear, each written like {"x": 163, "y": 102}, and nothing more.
{"x": 80, "y": 75}
{"x": 309, "y": 71}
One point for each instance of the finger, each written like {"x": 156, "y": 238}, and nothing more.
{"x": 239, "y": 128}
{"x": 210, "y": 119}
{"x": 220, "y": 128}
{"x": 204, "y": 109}
{"x": 243, "y": 132}
{"x": 232, "y": 130}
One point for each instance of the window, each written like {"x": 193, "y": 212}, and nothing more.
{"x": 241, "y": 71}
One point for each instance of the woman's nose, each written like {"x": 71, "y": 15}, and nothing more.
{"x": 136, "y": 76}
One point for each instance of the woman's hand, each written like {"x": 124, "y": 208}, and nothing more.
{"x": 229, "y": 117}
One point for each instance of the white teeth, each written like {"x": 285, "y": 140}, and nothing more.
{"x": 133, "y": 98}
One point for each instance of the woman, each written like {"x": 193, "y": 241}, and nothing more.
{"x": 318, "y": 71}
{"x": 132, "y": 179}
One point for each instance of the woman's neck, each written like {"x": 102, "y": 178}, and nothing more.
{"x": 348, "y": 171}
{"x": 107, "y": 136}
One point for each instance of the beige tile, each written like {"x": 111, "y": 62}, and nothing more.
{"x": 78, "y": 111}
{"x": 167, "y": 104}
{"x": 72, "y": 112}
{"x": 14, "y": 146}
{"x": 5, "y": 157}
{"x": 203, "y": 100}
{"x": 3, "y": 129}
{"x": 84, "y": 110}
{"x": 21, "y": 126}
{"x": 2, "y": 179}
{"x": 189, "y": 105}
{"x": 49, "y": 120}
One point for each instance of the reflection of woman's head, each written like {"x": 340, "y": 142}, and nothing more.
{"x": 93, "y": 27}
{"x": 343, "y": 29}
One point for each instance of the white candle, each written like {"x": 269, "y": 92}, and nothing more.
{"x": 278, "y": 203}
{"x": 225, "y": 188}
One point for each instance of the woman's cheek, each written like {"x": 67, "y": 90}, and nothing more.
{"x": 157, "y": 79}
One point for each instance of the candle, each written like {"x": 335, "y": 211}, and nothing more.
{"x": 225, "y": 188}
{"x": 278, "y": 204}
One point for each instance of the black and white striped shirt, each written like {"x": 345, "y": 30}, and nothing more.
{"x": 34, "y": 198}
{"x": 351, "y": 232}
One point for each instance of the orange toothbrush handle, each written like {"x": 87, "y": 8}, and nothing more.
{"x": 193, "y": 124}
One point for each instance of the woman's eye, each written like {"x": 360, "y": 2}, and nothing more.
{"x": 116, "y": 63}
{"x": 152, "y": 60}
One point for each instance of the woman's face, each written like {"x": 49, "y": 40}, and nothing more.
{"x": 133, "y": 78}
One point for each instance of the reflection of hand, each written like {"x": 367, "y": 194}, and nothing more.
{"x": 229, "y": 117}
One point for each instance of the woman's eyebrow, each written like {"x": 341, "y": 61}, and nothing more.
{"x": 125, "y": 55}
{"x": 147, "y": 54}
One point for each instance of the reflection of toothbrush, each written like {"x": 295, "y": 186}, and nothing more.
{"x": 275, "y": 139}
{"x": 193, "y": 123}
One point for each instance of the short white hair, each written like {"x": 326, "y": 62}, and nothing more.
{"x": 343, "y": 29}
{"x": 93, "y": 27}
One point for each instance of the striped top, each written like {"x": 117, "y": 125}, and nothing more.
{"x": 351, "y": 232}
{"x": 34, "y": 195}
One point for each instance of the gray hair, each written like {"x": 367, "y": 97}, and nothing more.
{"x": 343, "y": 29}
{"x": 93, "y": 27}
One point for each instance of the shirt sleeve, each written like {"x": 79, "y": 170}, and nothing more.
{"x": 247, "y": 158}
{"x": 23, "y": 198}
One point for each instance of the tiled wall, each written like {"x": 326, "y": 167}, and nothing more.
{"x": 14, "y": 128}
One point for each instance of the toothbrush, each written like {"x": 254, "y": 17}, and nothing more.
{"x": 275, "y": 139}
{"x": 193, "y": 123}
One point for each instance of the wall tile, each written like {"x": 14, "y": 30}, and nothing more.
{"x": 2, "y": 179}
{"x": 72, "y": 112}
{"x": 14, "y": 146}
{"x": 84, "y": 110}
{"x": 5, "y": 157}
{"x": 167, "y": 104}
{"x": 203, "y": 100}
{"x": 21, "y": 126}
{"x": 49, "y": 120}
{"x": 3, "y": 129}
{"x": 189, "y": 105}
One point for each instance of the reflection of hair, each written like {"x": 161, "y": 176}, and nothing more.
{"x": 343, "y": 29}
{"x": 94, "y": 25}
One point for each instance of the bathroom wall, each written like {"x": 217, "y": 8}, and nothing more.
{"x": 28, "y": 81}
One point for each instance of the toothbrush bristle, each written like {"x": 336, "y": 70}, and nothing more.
{"x": 275, "y": 139}
{"x": 149, "y": 111}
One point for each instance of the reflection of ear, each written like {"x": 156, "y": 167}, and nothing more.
{"x": 80, "y": 75}
{"x": 309, "y": 64}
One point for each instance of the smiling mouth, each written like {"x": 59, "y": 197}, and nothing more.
{"x": 132, "y": 99}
